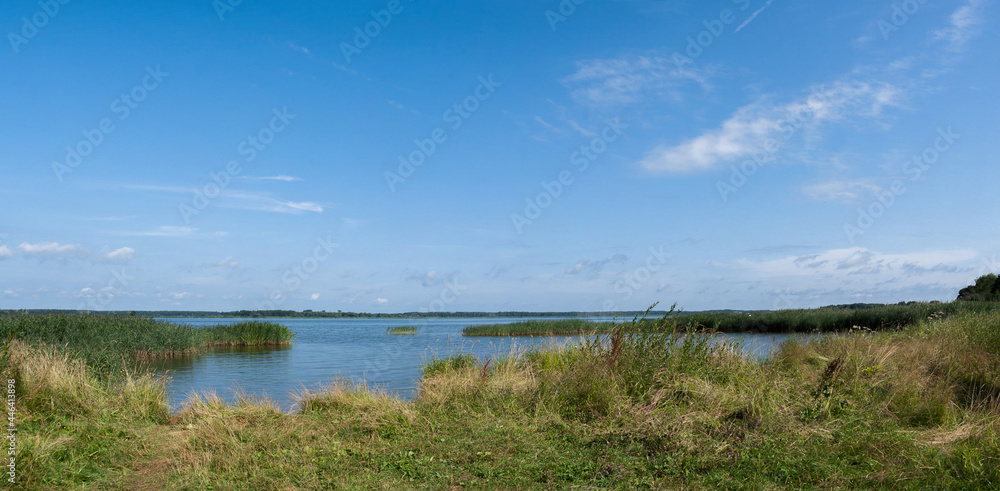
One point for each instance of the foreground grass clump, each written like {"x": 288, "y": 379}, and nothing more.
{"x": 652, "y": 405}
{"x": 73, "y": 427}
{"x": 540, "y": 328}
{"x": 401, "y": 330}
{"x": 105, "y": 341}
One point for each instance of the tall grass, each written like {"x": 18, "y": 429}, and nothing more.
{"x": 914, "y": 407}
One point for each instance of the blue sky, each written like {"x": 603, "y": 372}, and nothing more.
{"x": 545, "y": 156}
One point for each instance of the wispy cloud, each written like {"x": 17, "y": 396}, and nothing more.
{"x": 110, "y": 218}
{"x": 592, "y": 268}
{"x": 265, "y": 202}
{"x": 963, "y": 24}
{"x": 629, "y": 79}
{"x": 300, "y": 49}
{"x": 751, "y": 127}
{"x": 5, "y": 252}
{"x": 167, "y": 231}
{"x": 753, "y": 16}
{"x": 228, "y": 262}
{"x": 581, "y": 130}
{"x": 345, "y": 69}
{"x": 246, "y": 200}
{"x": 840, "y": 190}
{"x": 271, "y": 178}
{"x": 859, "y": 262}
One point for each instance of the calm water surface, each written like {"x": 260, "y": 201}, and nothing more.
{"x": 356, "y": 349}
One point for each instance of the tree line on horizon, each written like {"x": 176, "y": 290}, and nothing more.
{"x": 985, "y": 289}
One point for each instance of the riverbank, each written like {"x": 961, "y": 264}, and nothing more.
{"x": 916, "y": 407}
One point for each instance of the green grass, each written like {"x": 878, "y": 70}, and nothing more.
{"x": 104, "y": 342}
{"x": 648, "y": 406}
{"x": 540, "y": 328}
{"x": 401, "y": 330}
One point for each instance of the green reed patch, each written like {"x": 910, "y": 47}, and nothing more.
{"x": 401, "y": 330}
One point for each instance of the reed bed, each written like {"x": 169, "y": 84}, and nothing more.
{"x": 105, "y": 341}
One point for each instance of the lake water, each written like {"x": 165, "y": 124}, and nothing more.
{"x": 356, "y": 349}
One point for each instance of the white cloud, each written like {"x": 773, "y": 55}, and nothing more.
{"x": 840, "y": 190}
{"x": 168, "y": 231}
{"x": 272, "y": 178}
{"x": 314, "y": 296}
{"x": 761, "y": 128}
{"x": 629, "y": 79}
{"x": 229, "y": 262}
{"x": 53, "y": 250}
{"x": 121, "y": 255}
{"x": 576, "y": 268}
{"x": 382, "y": 300}
{"x": 963, "y": 24}
{"x": 5, "y": 252}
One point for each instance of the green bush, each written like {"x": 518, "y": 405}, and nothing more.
{"x": 985, "y": 289}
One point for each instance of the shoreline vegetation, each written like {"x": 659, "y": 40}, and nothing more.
{"x": 826, "y": 319}
{"x": 106, "y": 342}
{"x": 652, "y": 405}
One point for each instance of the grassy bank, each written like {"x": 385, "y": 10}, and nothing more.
{"x": 827, "y": 319}
{"x": 917, "y": 407}
{"x": 104, "y": 342}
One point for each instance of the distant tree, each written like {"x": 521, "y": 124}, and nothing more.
{"x": 986, "y": 289}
